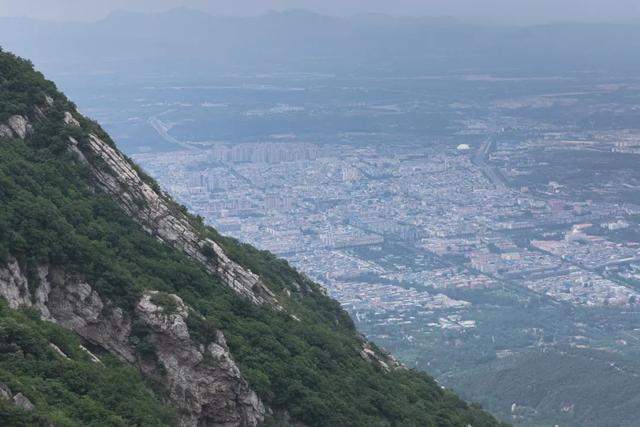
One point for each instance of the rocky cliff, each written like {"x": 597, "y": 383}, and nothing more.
{"x": 152, "y": 210}
{"x": 149, "y": 207}
{"x": 203, "y": 381}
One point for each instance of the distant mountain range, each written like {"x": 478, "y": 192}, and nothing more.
{"x": 303, "y": 41}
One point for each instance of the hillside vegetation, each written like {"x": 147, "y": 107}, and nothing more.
{"x": 66, "y": 386}
{"x": 566, "y": 385}
{"x": 51, "y": 213}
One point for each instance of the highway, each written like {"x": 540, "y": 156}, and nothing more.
{"x": 480, "y": 160}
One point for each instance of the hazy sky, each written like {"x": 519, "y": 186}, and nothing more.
{"x": 513, "y": 11}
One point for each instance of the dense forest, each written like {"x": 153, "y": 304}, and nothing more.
{"x": 52, "y": 214}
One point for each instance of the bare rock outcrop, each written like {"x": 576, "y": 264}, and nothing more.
{"x": 381, "y": 358}
{"x": 20, "y": 126}
{"x": 5, "y": 131}
{"x": 21, "y": 401}
{"x": 69, "y": 120}
{"x": 5, "y": 391}
{"x": 157, "y": 217}
{"x": 17, "y": 126}
{"x": 152, "y": 210}
{"x": 73, "y": 304}
{"x": 58, "y": 351}
{"x": 68, "y": 300}
{"x": 14, "y": 286}
{"x": 203, "y": 381}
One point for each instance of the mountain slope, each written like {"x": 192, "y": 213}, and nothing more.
{"x": 64, "y": 383}
{"x": 226, "y": 334}
{"x": 570, "y": 386}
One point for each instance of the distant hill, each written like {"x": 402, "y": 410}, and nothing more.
{"x": 567, "y": 386}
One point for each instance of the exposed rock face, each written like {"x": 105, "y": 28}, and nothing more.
{"x": 73, "y": 147}
{"x": 20, "y": 126}
{"x": 16, "y": 126}
{"x": 73, "y": 304}
{"x": 69, "y": 120}
{"x": 21, "y": 401}
{"x": 203, "y": 382}
{"x": 58, "y": 350}
{"x": 384, "y": 360}
{"x": 69, "y": 301}
{"x": 5, "y": 391}
{"x": 13, "y": 285}
{"x": 5, "y": 131}
{"x": 153, "y": 212}
{"x": 18, "y": 399}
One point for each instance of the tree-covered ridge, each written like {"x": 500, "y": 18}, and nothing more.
{"x": 51, "y": 213}
{"x": 20, "y": 86}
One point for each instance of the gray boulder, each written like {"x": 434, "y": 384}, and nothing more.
{"x": 23, "y": 402}
{"x": 5, "y": 391}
